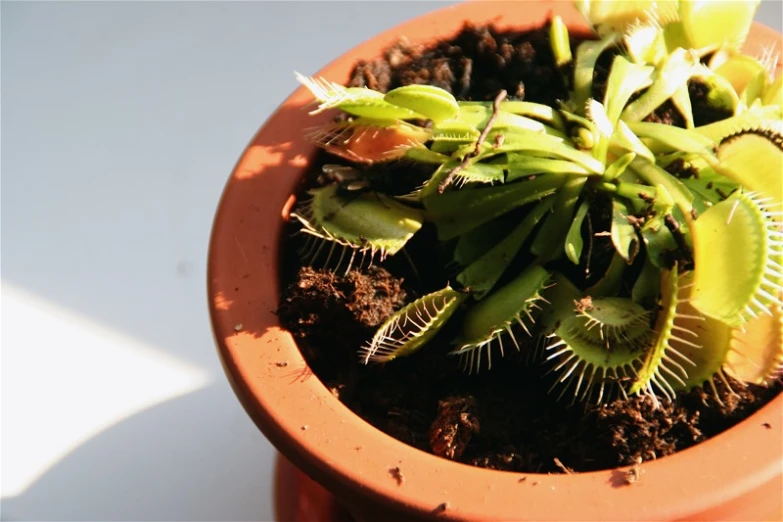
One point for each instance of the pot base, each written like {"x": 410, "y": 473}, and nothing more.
{"x": 299, "y": 498}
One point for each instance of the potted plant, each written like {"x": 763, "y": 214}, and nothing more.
{"x": 555, "y": 162}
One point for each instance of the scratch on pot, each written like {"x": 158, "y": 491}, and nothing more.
{"x": 241, "y": 250}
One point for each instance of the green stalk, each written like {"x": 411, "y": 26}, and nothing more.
{"x": 656, "y": 177}
{"x": 549, "y": 242}
{"x": 674, "y": 73}
{"x": 586, "y": 57}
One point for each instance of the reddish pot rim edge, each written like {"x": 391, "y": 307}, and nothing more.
{"x": 323, "y": 437}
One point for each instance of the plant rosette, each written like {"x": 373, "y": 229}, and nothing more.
{"x": 600, "y": 144}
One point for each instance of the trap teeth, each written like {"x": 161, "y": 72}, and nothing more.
{"x": 412, "y": 327}
{"x": 598, "y": 346}
{"x": 366, "y": 225}
{"x": 492, "y": 317}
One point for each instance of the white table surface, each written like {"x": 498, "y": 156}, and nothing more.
{"x": 120, "y": 125}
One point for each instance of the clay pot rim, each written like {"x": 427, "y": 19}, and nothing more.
{"x": 323, "y": 437}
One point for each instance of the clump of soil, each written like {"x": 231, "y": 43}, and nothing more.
{"x": 454, "y": 426}
{"x": 474, "y": 65}
{"x": 503, "y": 418}
{"x": 332, "y": 315}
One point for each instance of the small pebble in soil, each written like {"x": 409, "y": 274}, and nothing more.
{"x": 454, "y": 426}
{"x": 443, "y": 506}
{"x": 396, "y": 474}
{"x": 238, "y": 327}
{"x": 304, "y": 428}
{"x": 633, "y": 475}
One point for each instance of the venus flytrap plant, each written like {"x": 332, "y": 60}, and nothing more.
{"x": 515, "y": 186}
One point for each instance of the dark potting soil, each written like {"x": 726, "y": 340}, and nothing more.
{"x": 503, "y": 418}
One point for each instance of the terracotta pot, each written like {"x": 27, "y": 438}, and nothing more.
{"x": 737, "y": 475}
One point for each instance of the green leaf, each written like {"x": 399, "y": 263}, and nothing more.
{"x": 610, "y": 16}
{"x": 708, "y": 347}
{"x": 736, "y": 261}
{"x": 459, "y": 211}
{"x": 667, "y": 138}
{"x": 625, "y": 79}
{"x": 477, "y": 115}
{"x": 482, "y": 275}
{"x": 674, "y": 36}
{"x": 617, "y": 167}
{"x": 609, "y": 284}
{"x": 657, "y": 240}
{"x": 430, "y": 188}
{"x": 720, "y": 93}
{"x": 657, "y": 177}
{"x": 774, "y": 93}
{"x": 370, "y": 222}
{"x": 358, "y": 101}
{"x": 711, "y": 24}
{"x": 431, "y": 102}
{"x": 451, "y": 130}
{"x": 574, "y": 242}
{"x": 755, "y": 160}
{"x": 635, "y": 193}
{"x": 561, "y": 295}
{"x": 586, "y": 57}
{"x": 671, "y": 76}
{"x": 474, "y": 244}
{"x": 597, "y": 114}
{"x": 760, "y": 118}
{"x": 424, "y": 155}
{"x": 623, "y": 233}
{"x": 521, "y": 166}
{"x": 478, "y": 173}
{"x": 550, "y": 239}
{"x": 558, "y": 39}
{"x": 709, "y": 185}
{"x": 645, "y": 44}
{"x": 682, "y": 102}
{"x": 412, "y": 327}
{"x": 624, "y": 140}
{"x": 536, "y": 111}
{"x": 492, "y": 316}
{"x": 649, "y": 372}
{"x": 647, "y": 286}
{"x": 543, "y": 145}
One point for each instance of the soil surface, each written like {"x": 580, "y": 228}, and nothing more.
{"x": 503, "y": 418}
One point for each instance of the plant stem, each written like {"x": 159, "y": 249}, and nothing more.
{"x": 641, "y": 195}
{"x": 679, "y": 238}
{"x": 482, "y": 137}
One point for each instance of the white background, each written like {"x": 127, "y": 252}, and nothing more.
{"x": 120, "y": 125}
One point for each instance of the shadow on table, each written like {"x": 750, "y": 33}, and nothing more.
{"x": 168, "y": 462}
